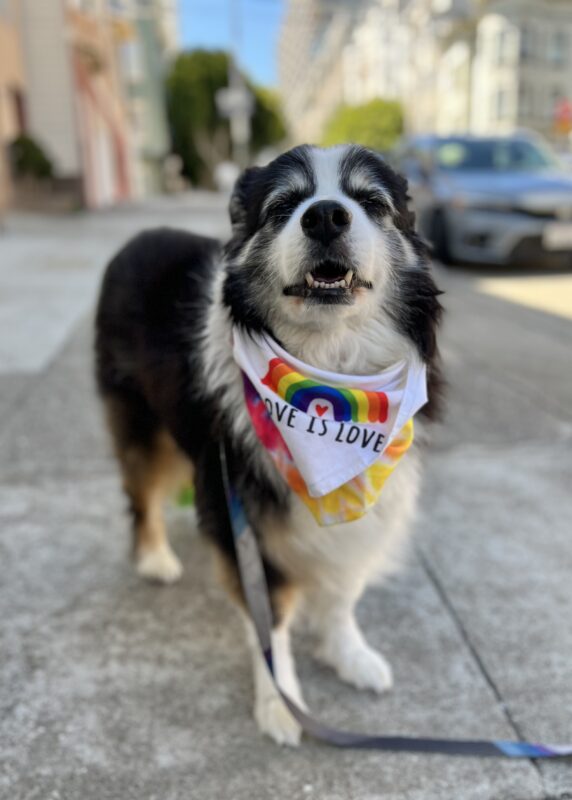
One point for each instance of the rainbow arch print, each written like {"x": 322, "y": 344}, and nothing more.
{"x": 349, "y": 405}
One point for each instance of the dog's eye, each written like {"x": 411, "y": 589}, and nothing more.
{"x": 282, "y": 208}
{"x": 371, "y": 201}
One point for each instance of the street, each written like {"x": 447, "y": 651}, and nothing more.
{"x": 111, "y": 688}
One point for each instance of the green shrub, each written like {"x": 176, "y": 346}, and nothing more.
{"x": 377, "y": 124}
{"x": 29, "y": 159}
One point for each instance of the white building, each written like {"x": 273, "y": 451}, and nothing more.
{"x": 522, "y": 66}
{"x": 481, "y": 66}
{"x": 311, "y": 67}
{"x": 374, "y": 59}
{"x": 487, "y": 66}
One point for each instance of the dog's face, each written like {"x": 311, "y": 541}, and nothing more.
{"x": 320, "y": 236}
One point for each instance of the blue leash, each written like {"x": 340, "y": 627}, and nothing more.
{"x": 256, "y": 594}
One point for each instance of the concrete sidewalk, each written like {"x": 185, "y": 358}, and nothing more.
{"x": 112, "y": 688}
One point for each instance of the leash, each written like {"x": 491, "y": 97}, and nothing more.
{"x": 257, "y": 600}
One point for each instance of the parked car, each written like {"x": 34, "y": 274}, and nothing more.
{"x": 492, "y": 200}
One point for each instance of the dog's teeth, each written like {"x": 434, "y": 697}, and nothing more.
{"x": 349, "y": 276}
{"x": 344, "y": 283}
{"x": 309, "y": 279}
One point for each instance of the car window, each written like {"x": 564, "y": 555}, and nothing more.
{"x": 500, "y": 155}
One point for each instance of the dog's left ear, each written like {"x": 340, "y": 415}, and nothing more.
{"x": 398, "y": 185}
{"x": 405, "y": 217}
{"x": 239, "y": 199}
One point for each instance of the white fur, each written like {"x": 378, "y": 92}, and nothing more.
{"x": 270, "y": 712}
{"x": 342, "y": 645}
{"x": 160, "y": 565}
{"x": 368, "y": 245}
{"x": 332, "y": 565}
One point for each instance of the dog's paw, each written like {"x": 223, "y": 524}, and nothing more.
{"x": 361, "y": 666}
{"x": 159, "y": 565}
{"x": 274, "y": 719}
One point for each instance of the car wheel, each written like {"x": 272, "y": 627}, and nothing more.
{"x": 440, "y": 239}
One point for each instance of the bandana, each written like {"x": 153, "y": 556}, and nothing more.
{"x": 334, "y": 438}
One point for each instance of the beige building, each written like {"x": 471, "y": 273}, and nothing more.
{"x": 75, "y": 105}
{"x": 12, "y": 91}
{"x": 85, "y": 80}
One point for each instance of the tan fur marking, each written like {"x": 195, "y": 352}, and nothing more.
{"x": 150, "y": 475}
{"x": 285, "y": 599}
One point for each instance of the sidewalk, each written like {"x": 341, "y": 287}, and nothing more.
{"x": 112, "y": 688}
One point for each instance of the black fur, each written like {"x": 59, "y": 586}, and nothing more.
{"x": 150, "y": 316}
{"x": 153, "y": 309}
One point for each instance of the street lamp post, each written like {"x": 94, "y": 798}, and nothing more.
{"x": 235, "y": 102}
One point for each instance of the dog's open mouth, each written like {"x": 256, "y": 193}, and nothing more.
{"x": 328, "y": 280}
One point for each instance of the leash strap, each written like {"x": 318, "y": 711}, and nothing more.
{"x": 256, "y": 594}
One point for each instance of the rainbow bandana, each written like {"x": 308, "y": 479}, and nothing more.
{"x": 334, "y": 438}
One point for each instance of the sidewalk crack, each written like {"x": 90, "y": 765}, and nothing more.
{"x": 477, "y": 658}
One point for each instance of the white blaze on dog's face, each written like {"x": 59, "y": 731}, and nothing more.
{"x": 319, "y": 235}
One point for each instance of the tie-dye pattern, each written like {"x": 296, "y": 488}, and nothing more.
{"x": 349, "y": 501}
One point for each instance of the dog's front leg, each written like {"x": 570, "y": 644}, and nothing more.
{"x": 341, "y": 643}
{"x": 271, "y": 713}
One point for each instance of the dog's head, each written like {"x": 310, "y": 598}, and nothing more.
{"x": 323, "y": 239}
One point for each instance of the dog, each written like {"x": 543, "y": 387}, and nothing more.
{"x": 324, "y": 257}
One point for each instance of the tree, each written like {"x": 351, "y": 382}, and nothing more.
{"x": 199, "y": 135}
{"x": 377, "y": 124}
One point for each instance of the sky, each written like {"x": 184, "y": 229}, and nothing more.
{"x": 206, "y": 23}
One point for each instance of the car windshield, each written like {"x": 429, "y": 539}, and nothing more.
{"x": 498, "y": 155}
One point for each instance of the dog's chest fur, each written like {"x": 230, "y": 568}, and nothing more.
{"x": 350, "y": 553}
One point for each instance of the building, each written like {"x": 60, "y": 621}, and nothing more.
{"x": 431, "y": 26}
{"x": 311, "y": 66}
{"x": 12, "y": 92}
{"x": 150, "y": 41}
{"x": 521, "y": 73}
{"x": 93, "y": 72}
{"x": 374, "y": 57}
{"x": 480, "y": 66}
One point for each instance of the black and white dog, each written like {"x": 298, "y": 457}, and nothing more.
{"x": 323, "y": 257}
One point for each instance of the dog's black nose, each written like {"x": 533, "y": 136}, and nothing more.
{"x": 325, "y": 220}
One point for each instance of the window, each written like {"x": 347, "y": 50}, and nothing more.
{"x": 131, "y": 59}
{"x": 501, "y": 99}
{"x": 527, "y": 44}
{"x": 87, "y": 6}
{"x": 558, "y": 48}
{"x": 502, "y": 47}
{"x": 500, "y": 155}
{"x": 555, "y": 101}
{"x": 525, "y": 100}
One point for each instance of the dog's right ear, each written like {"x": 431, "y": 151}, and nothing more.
{"x": 239, "y": 199}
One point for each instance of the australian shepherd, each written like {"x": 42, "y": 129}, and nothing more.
{"x": 324, "y": 258}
